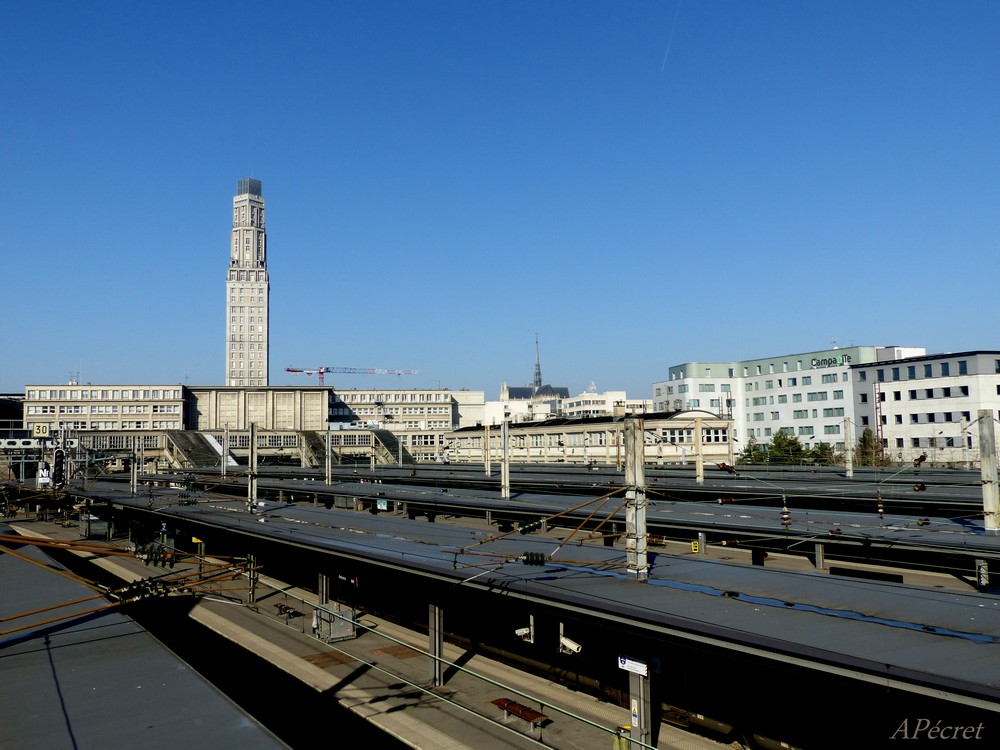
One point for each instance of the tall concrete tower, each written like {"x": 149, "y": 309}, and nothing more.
{"x": 247, "y": 290}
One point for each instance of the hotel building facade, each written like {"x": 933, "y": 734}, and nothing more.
{"x": 809, "y": 395}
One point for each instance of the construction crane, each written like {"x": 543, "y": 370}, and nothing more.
{"x": 321, "y": 371}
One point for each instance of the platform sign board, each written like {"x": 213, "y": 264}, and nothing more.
{"x": 633, "y": 665}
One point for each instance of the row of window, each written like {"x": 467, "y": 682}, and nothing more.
{"x": 248, "y": 275}
{"x": 925, "y": 393}
{"x": 930, "y": 417}
{"x": 796, "y": 398}
{"x": 104, "y": 394}
{"x": 350, "y": 397}
{"x": 932, "y": 442}
{"x": 125, "y": 424}
{"x": 944, "y": 370}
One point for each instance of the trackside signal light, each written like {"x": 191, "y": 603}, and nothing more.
{"x": 59, "y": 468}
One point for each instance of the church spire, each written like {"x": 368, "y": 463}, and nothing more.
{"x": 538, "y": 366}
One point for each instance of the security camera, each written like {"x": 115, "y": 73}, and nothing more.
{"x": 568, "y": 646}
{"x": 523, "y": 633}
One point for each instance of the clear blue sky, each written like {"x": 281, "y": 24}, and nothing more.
{"x": 640, "y": 183}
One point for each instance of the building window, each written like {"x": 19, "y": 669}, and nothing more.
{"x": 945, "y": 369}
{"x": 862, "y": 376}
{"x": 895, "y": 373}
{"x": 807, "y": 380}
{"x": 963, "y": 367}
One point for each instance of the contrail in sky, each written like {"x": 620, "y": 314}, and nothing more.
{"x": 670, "y": 41}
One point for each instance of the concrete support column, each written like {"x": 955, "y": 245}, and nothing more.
{"x": 699, "y": 458}
{"x": 702, "y": 543}
{"x": 505, "y": 458}
{"x": 988, "y": 467}
{"x": 252, "y": 470}
{"x": 487, "y": 457}
{"x": 635, "y": 500}
{"x": 820, "y": 556}
{"x": 435, "y": 633}
{"x": 848, "y": 448}
{"x": 329, "y": 458}
{"x": 982, "y": 574}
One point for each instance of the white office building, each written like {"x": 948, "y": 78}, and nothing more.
{"x": 928, "y": 404}
{"x": 247, "y": 290}
{"x": 808, "y": 395}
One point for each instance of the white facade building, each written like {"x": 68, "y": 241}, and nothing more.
{"x": 247, "y": 290}
{"x": 588, "y": 404}
{"x": 808, "y": 395}
{"x": 91, "y": 407}
{"x": 607, "y": 404}
{"x": 929, "y": 404}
